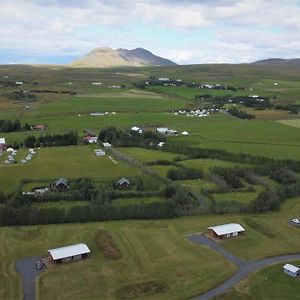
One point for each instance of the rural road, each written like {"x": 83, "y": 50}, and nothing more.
{"x": 27, "y": 269}
{"x": 244, "y": 268}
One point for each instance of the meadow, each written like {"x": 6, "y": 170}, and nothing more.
{"x": 151, "y": 250}
{"x": 70, "y": 162}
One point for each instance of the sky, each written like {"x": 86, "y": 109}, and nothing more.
{"x": 186, "y": 31}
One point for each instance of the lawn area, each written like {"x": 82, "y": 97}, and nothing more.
{"x": 206, "y": 164}
{"x": 137, "y": 200}
{"x": 242, "y": 197}
{"x": 79, "y": 104}
{"x": 151, "y": 250}
{"x": 293, "y": 123}
{"x": 69, "y": 162}
{"x": 67, "y": 205}
{"x": 148, "y": 155}
{"x": 269, "y": 283}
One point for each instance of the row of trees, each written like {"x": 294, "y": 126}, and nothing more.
{"x": 48, "y": 140}
{"x": 13, "y": 125}
{"x": 240, "y": 114}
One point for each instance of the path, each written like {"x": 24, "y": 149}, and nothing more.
{"x": 244, "y": 268}
{"x": 27, "y": 269}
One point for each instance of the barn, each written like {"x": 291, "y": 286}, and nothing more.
{"x": 291, "y": 270}
{"x": 69, "y": 253}
{"x": 225, "y": 231}
{"x": 2, "y": 144}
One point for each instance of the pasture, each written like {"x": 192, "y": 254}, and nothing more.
{"x": 151, "y": 250}
{"x": 70, "y": 162}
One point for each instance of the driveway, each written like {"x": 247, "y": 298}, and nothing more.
{"x": 27, "y": 269}
{"x": 244, "y": 268}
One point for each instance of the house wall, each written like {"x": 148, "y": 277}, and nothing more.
{"x": 290, "y": 273}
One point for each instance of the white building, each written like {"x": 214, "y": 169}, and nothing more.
{"x": 107, "y": 145}
{"x": 99, "y": 152}
{"x": 226, "y": 230}
{"x": 291, "y": 270}
{"x": 69, "y": 253}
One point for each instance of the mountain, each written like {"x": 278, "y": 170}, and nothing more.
{"x": 277, "y": 61}
{"x": 106, "y": 57}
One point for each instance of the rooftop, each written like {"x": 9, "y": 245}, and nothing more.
{"x": 2, "y": 140}
{"x": 291, "y": 268}
{"x": 227, "y": 228}
{"x": 68, "y": 251}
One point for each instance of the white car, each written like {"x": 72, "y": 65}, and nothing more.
{"x": 296, "y": 221}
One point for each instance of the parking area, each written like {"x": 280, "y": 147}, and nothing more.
{"x": 29, "y": 268}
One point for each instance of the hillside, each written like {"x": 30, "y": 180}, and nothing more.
{"x": 272, "y": 61}
{"x": 107, "y": 57}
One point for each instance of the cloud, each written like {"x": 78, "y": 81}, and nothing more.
{"x": 202, "y": 30}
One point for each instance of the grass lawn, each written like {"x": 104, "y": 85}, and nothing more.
{"x": 269, "y": 283}
{"x": 148, "y": 155}
{"x": 69, "y": 162}
{"x": 67, "y": 205}
{"x": 293, "y": 123}
{"x": 206, "y": 164}
{"x": 242, "y": 197}
{"x": 151, "y": 250}
{"x": 136, "y": 201}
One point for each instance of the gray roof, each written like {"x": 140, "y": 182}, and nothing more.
{"x": 61, "y": 181}
{"x": 122, "y": 181}
{"x": 227, "y": 228}
{"x": 68, "y": 251}
{"x": 291, "y": 268}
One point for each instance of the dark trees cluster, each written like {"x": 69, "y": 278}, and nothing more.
{"x": 13, "y": 125}
{"x": 240, "y": 114}
{"x": 48, "y": 140}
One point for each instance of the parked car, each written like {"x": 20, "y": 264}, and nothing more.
{"x": 39, "y": 265}
{"x": 296, "y": 221}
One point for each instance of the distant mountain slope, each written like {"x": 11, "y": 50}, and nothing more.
{"x": 272, "y": 61}
{"x": 107, "y": 57}
{"x": 144, "y": 57}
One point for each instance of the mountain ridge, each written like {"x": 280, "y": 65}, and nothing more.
{"x": 106, "y": 57}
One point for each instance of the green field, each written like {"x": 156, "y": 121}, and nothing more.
{"x": 270, "y": 283}
{"x": 151, "y": 250}
{"x": 69, "y": 162}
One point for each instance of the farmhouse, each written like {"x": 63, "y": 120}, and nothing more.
{"x": 123, "y": 183}
{"x": 291, "y": 270}
{"x": 225, "y": 231}
{"x": 2, "y": 144}
{"x": 91, "y": 139}
{"x": 69, "y": 253}
{"x": 39, "y": 127}
{"x": 61, "y": 184}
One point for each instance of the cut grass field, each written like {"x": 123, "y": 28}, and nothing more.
{"x": 269, "y": 283}
{"x": 148, "y": 155}
{"x": 151, "y": 250}
{"x": 293, "y": 123}
{"x": 69, "y": 162}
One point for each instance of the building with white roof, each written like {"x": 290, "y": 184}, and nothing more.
{"x": 2, "y": 143}
{"x": 226, "y": 230}
{"x": 291, "y": 270}
{"x": 69, "y": 253}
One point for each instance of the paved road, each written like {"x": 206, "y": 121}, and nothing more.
{"x": 244, "y": 268}
{"x": 27, "y": 269}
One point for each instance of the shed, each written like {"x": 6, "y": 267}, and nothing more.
{"x": 2, "y": 143}
{"x": 99, "y": 152}
{"x": 61, "y": 183}
{"x": 291, "y": 270}
{"x": 69, "y": 253}
{"x": 123, "y": 183}
{"x": 225, "y": 231}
